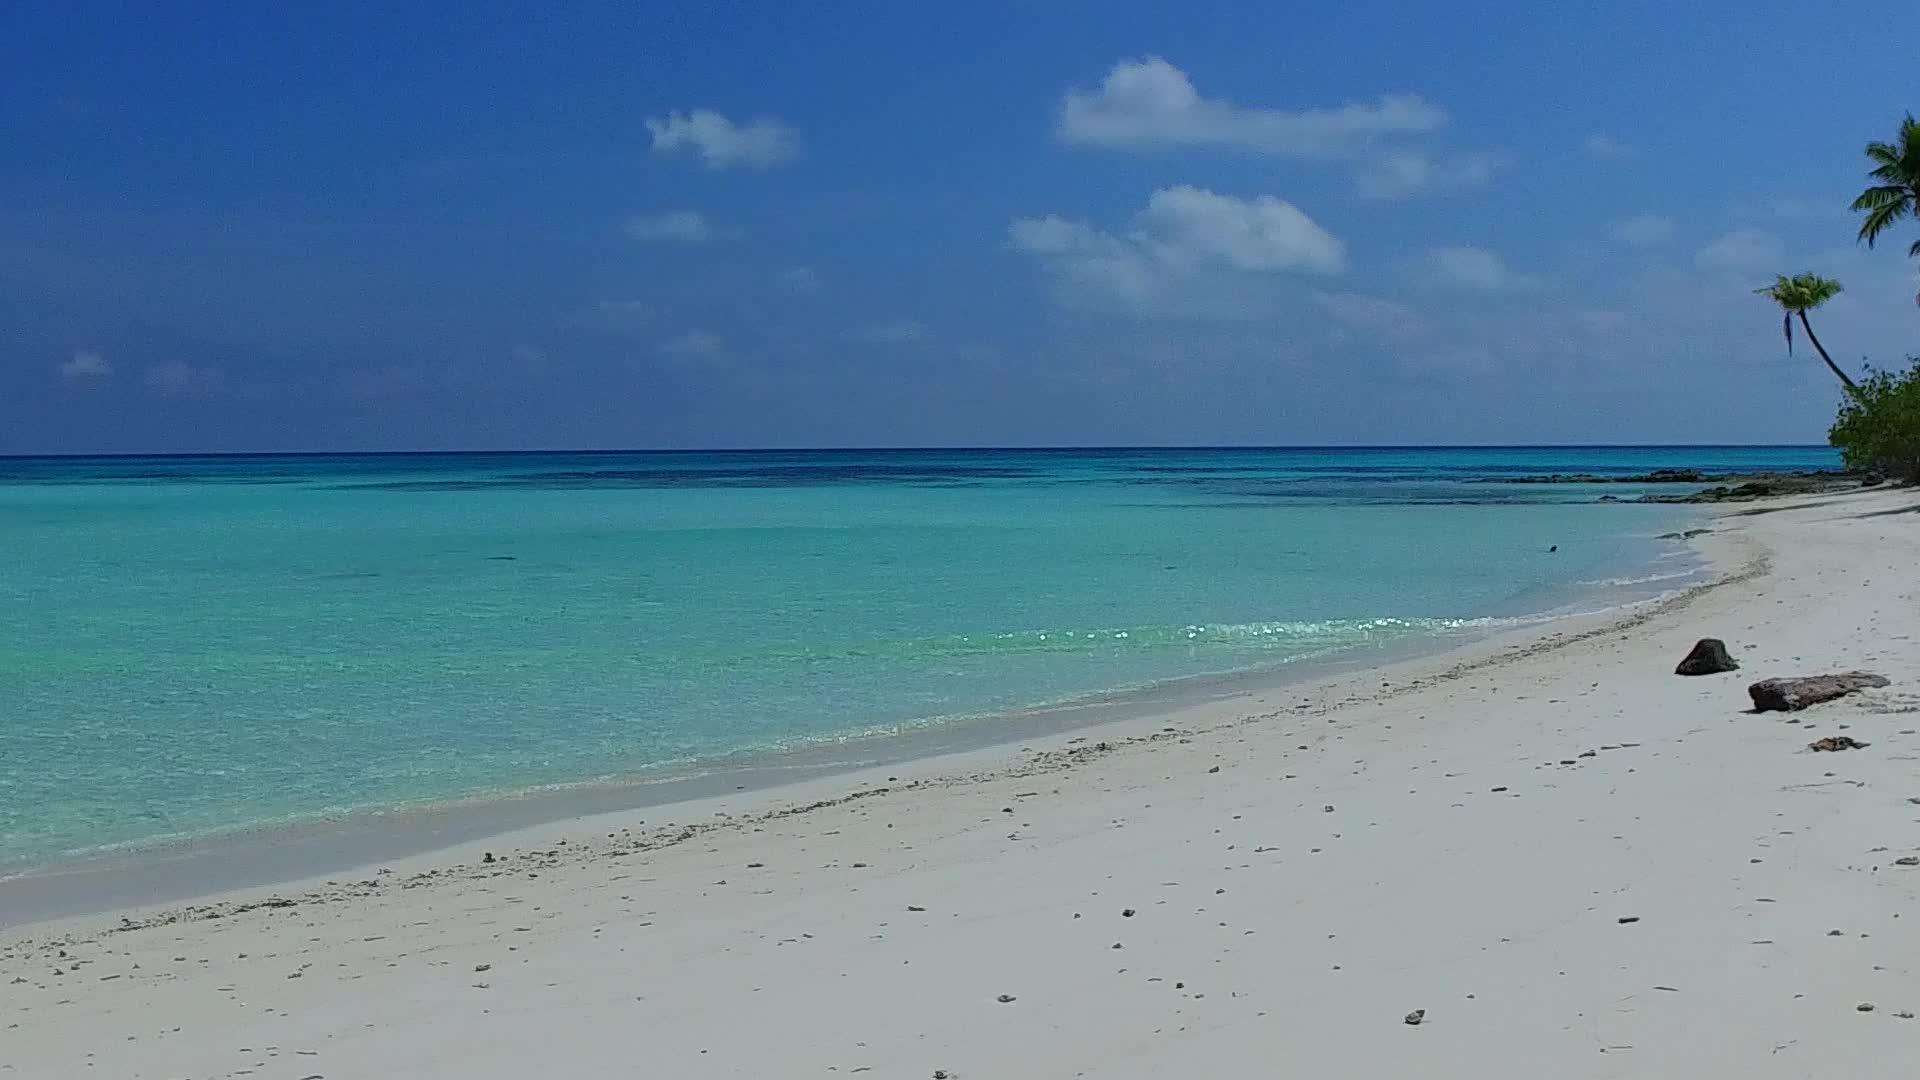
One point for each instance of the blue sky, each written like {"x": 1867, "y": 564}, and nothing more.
{"x": 663, "y": 224}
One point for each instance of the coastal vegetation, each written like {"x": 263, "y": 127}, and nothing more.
{"x": 1878, "y": 426}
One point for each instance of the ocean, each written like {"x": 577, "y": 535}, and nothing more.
{"x": 191, "y": 645}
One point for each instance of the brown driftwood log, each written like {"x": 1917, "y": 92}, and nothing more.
{"x": 1790, "y": 695}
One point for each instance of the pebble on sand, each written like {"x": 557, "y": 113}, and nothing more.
{"x": 1837, "y": 742}
{"x": 1415, "y": 1017}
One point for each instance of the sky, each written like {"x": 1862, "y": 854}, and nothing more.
{"x": 488, "y": 225}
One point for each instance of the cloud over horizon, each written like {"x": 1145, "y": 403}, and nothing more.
{"x": 1399, "y": 175}
{"x": 84, "y": 367}
{"x": 720, "y": 143}
{"x": 1184, "y": 235}
{"x": 1149, "y": 103}
{"x": 684, "y": 226}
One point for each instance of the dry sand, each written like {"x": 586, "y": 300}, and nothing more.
{"x": 1577, "y": 863}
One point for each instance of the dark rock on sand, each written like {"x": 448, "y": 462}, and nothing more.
{"x": 1790, "y": 695}
{"x": 1709, "y": 657}
{"x": 1415, "y": 1017}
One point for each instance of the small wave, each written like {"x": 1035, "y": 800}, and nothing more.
{"x": 1643, "y": 579}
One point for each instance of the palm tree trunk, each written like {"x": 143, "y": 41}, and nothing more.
{"x": 1852, "y": 387}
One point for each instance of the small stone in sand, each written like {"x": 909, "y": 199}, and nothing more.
{"x": 1625, "y": 919}
{"x": 483, "y": 967}
{"x": 1328, "y": 809}
{"x": 1215, "y": 769}
{"x": 1415, "y": 1017}
{"x": 487, "y": 858}
{"x": 1837, "y": 742}
{"x": 1907, "y": 860}
{"x": 939, "y": 1074}
{"x": 915, "y": 907}
{"x": 1004, "y": 998}
{"x": 1865, "y": 1006}
{"x": 1127, "y": 914}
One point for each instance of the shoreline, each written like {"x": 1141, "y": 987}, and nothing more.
{"x": 187, "y": 869}
{"x": 1570, "y": 859}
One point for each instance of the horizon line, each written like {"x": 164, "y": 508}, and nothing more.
{"x": 1108, "y": 448}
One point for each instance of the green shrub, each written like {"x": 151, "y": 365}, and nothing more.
{"x": 1878, "y": 429}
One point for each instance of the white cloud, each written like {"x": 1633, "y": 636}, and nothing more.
{"x": 1607, "y": 147}
{"x": 1742, "y": 249}
{"x": 892, "y": 333}
{"x": 1186, "y": 240}
{"x": 1643, "y": 230}
{"x": 1149, "y": 103}
{"x": 693, "y": 343}
{"x": 1396, "y": 176}
{"x": 1472, "y": 268}
{"x": 85, "y": 366}
{"x": 1374, "y": 315}
{"x": 177, "y": 377}
{"x": 681, "y": 226}
{"x": 721, "y": 143}
{"x": 800, "y": 280}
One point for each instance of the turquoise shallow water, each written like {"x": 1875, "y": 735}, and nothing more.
{"x": 193, "y": 644}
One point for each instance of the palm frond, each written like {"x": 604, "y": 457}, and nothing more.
{"x": 1876, "y": 197}
{"x": 1885, "y": 154}
{"x": 1799, "y": 293}
{"x": 1881, "y": 217}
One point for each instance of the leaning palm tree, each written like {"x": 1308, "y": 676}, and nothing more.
{"x": 1798, "y": 295}
{"x": 1897, "y": 194}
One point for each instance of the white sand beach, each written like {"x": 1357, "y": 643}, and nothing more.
{"x": 1577, "y": 863}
